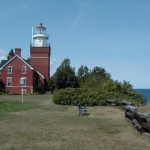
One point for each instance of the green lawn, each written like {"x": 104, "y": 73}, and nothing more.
{"x": 38, "y": 124}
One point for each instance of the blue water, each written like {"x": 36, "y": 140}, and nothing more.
{"x": 145, "y": 93}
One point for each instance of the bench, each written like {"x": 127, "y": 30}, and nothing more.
{"x": 82, "y": 110}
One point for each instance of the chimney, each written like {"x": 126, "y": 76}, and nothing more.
{"x": 18, "y": 51}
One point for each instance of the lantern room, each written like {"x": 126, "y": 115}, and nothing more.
{"x": 39, "y": 36}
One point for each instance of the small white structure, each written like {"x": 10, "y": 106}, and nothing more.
{"x": 23, "y": 84}
{"x": 39, "y": 37}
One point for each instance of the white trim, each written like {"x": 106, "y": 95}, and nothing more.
{"x": 23, "y": 80}
{"x": 39, "y": 57}
{"x": 7, "y": 82}
{"x": 7, "y": 63}
{"x": 13, "y": 59}
{"x": 20, "y": 86}
{"x": 9, "y": 70}
{"x": 31, "y": 87}
{"x": 24, "y": 91}
{"x": 25, "y": 62}
{"x": 40, "y": 74}
{"x": 24, "y": 70}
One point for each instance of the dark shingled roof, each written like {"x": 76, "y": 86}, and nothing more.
{"x": 3, "y": 62}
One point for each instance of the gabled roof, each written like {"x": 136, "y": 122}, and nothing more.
{"x": 9, "y": 61}
{"x": 6, "y": 62}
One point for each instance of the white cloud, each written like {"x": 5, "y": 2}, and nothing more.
{"x": 2, "y": 54}
{"x": 77, "y": 19}
{"x": 80, "y": 14}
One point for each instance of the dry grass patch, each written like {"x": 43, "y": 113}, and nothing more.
{"x": 55, "y": 127}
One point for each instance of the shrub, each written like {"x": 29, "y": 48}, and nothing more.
{"x": 74, "y": 96}
{"x": 89, "y": 97}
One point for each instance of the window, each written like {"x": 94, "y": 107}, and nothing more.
{"x": 23, "y": 81}
{"x": 9, "y": 69}
{"x": 9, "y": 81}
{"x": 24, "y": 69}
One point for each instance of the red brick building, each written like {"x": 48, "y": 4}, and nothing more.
{"x": 31, "y": 74}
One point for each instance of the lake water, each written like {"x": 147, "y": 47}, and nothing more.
{"x": 145, "y": 93}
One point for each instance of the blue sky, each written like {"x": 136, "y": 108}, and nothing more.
{"x": 114, "y": 34}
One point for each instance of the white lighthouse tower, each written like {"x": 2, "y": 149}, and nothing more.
{"x": 40, "y": 51}
{"x": 39, "y": 37}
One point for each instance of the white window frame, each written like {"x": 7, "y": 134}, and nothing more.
{"x": 24, "y": 82}
{"x": 24, "y": 69}
{"x": 9, "y": 78}
{"x": 9, "y": 69}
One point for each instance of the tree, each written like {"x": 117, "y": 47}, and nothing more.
{"x": 126, "y": 87}
{"x": 83, "y": 71}
{"x": 51, "y": 85}
{"x": 97, "y": 80}
{"x": 65, "y": 75}
{"x": 109, "y": 86}
{"x": 11, "y": 52}
{"x": 101, "y": 73}
{"x": 93, "y": 79}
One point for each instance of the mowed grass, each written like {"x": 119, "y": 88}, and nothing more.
{"x": 15, "y": 106}
{"x": 41, "y": 125}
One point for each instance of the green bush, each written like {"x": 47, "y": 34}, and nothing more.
{"x": 74, "y": 96}
{"x": 89, "y": 97}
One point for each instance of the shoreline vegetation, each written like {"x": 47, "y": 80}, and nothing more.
{"x": 91, "y": 97}
{"x": 89, "y": 87}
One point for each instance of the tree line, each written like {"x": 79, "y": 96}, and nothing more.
{"x": 96, "y": 79}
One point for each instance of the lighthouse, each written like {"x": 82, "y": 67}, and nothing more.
{"x": 39, "y": 37}
{"x": 40, "y": 50}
